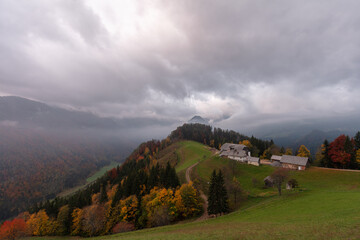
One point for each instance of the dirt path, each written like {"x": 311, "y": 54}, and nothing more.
{"x": 202, "y": 195}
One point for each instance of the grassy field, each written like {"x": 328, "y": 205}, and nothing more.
{"x": 191, "y": 152}
{"x": 90, "y": 179}
{"x": 102, "y": 171}
{"x": 326, "y": 205}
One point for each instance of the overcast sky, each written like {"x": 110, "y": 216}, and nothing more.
{"x": 243, "y": 62}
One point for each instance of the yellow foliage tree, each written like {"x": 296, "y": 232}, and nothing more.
{"x": 288, "y": 151}
{"x": 146, "y": 151}
{"x": 246, "y": 143}
{"x": 125, "y": 210}
{"x": 358, "y": 156}
{"x": 159, "y": 203}
{"x": 39, "y": 224}
{"x": 77, "y": 216}
{"x": 303, "y": 151}
{"x": 187, "y": 201}
{"x": 112, "y": 191}
{"x": 95, "y": 198}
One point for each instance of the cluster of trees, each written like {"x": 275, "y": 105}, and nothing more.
{"x": 218, "y": 198}
{"x": 160, "y": 207}
{"x": 140, "y": 193}
{"x": 303, "y": 151}
{"x": 343, "y": 152}
{"x": 217, "y": 137}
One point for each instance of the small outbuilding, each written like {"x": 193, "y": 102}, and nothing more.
{"x": 254, "y": 161}
{"x": 268, "y": 181}
{"x": 275, "y": 158}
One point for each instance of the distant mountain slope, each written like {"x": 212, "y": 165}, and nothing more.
{"x": 46, "y": 149}
{"x": 25, "y": 112}
{"x": 312, "y": 140}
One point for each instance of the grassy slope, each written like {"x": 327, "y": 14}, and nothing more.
{"x": 326, "y": 207}
{"x": 102, "y": 171}
{"x": 90, "y": 179}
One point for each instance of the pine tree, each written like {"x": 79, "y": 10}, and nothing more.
{"x": 282, "y": 151}
{"x": 350, "y": 149}
{"x": 218, "y": 199}
{"x": 357, "y": 141}
{"x": 223, "y": 205}
{"x": 326, "y": 161}
{"x": 212, "y": 200}
{"x": 103, "y": 194}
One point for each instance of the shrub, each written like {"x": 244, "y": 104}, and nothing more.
{"x": 123, "y": 227}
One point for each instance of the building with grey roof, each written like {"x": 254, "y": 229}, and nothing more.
{"x": 275, "y": 158}
{"x": 291, "y": 162}
{"x": 253, "y": 161}
{"x": 294, "y": 162}
{"x": 238, "y": 152}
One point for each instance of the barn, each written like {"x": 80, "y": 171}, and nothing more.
{"x": 294, "y": 162}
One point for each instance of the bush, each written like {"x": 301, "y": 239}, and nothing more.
{"x": 123, "y": 227}
{"x": 293, "y": 183}
{"x": 160, "y": 217}
{"x": 255, "y": 182}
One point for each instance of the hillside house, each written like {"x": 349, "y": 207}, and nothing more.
{"x": 239, "y": 153}
{"x": 236, "y": 152}
{"x": 291, "y": 162}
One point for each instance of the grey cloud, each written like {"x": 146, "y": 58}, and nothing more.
{"x": 237, "y": 55}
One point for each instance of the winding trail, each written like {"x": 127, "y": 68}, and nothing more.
{"x": 202, "y": 195}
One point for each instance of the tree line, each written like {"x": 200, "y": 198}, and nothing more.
{"x": 343, "y": 152}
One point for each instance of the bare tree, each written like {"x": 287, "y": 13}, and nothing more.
{"x": 279, "y": 176}
{"x": 234, "y": 189}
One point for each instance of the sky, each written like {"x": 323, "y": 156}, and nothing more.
{"x": 240, "y": 63}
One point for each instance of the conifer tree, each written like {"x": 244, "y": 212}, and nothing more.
{"x": 103, "y": 194}
{"x": 212, "y": 201}
{"x": 325, "y": 161}
{"x": 357, "y": 141}
{"x": 223, "y": 206}
{"x": 218, "y": 199}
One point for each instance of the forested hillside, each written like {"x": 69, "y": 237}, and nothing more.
{"x": 143, "y": 192}
{"x": 36, "y": 165}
